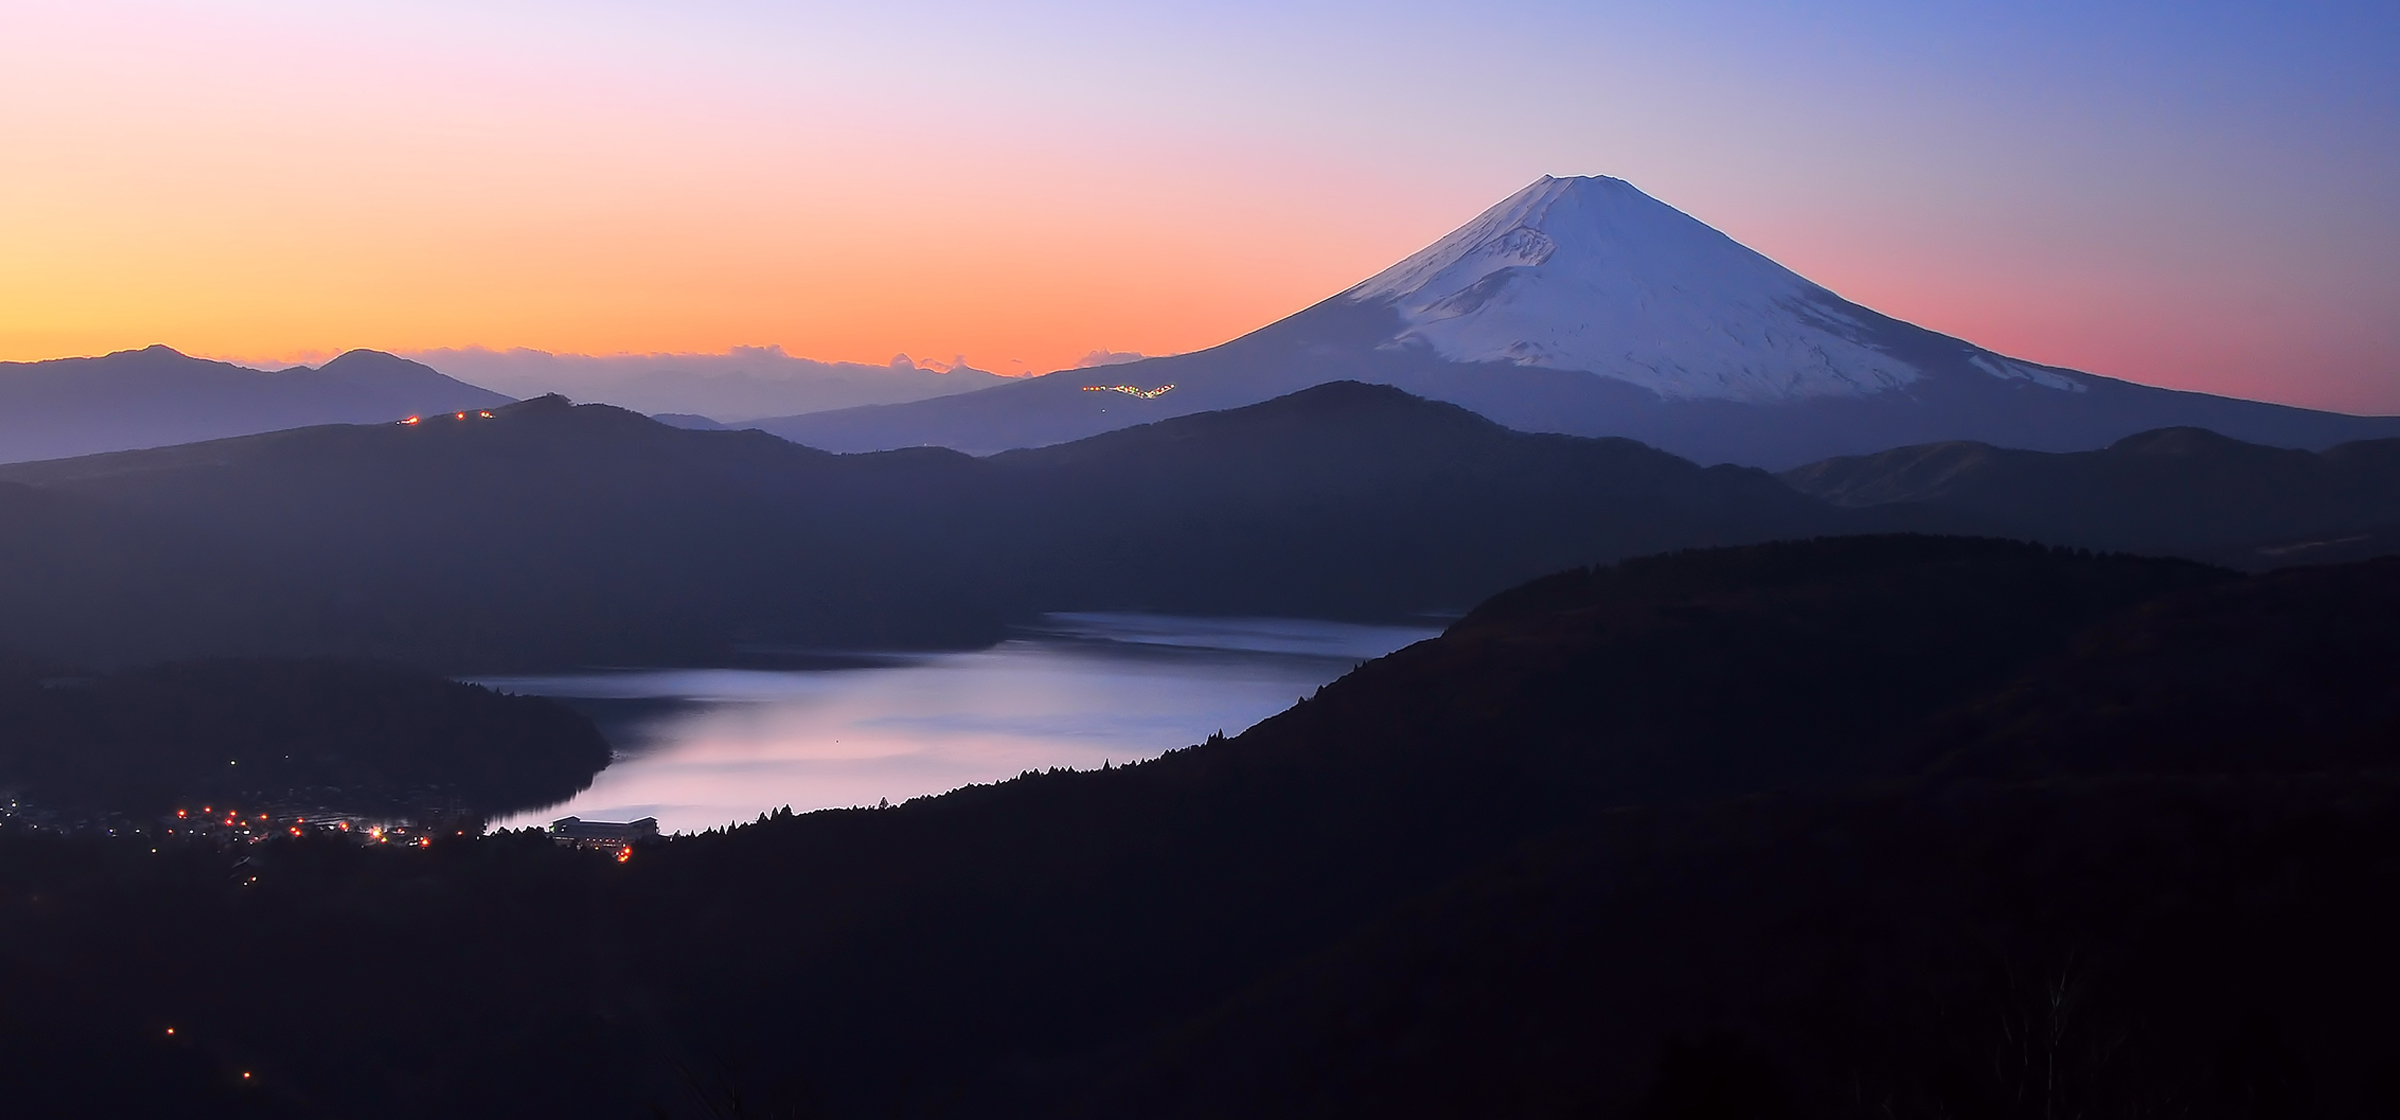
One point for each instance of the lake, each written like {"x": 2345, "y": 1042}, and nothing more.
{"x": 699, "y": 748}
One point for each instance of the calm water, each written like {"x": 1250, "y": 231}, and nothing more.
{"x": 698, "y": 748}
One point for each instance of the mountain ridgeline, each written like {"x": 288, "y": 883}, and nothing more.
{"x": 551, "y": 534}
{"x": 2184, "y": 491}
{"x": 156, "y": 397}
{"x": 1582, "y": 305}
{"x": 1946, "y": 826}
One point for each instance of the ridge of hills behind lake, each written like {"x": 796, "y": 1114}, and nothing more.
{"x": 2185, "y": 491}
{"x": 552, "y": 534}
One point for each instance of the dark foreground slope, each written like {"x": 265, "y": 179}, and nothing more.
{"x": 1824, "y": 829}
{"x": 2184, "y": 491}
{"x": 155, "y": 397}
{"x": 319, "y": 736}
{"x": 552, "y": 534}
{"x": 2138, "y": 878}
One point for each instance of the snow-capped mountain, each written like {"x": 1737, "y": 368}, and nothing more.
{"x": 1592, "y": 275}
{"x": 1582, "y": 305}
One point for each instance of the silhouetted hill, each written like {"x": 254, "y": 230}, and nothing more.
{"x": 1620, "y": 843}
{"x": 2176, "y": 490}
{"x": 2172, "y": 908}
{"x": 155, "y": 397}
{"x": 2206, "y": 683}
{"x": 553, "y": 534}
{"x": 546, "y": 533}
{"x": 1358, "y": 500}
{"x": 332, "y": 736}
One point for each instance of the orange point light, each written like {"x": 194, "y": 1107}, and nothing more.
{"x": 410, "y": 420}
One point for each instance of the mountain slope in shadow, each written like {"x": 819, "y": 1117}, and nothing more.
{"x": 1786, "y": 827}
{"x": 2139, "y": 869}
{"x": 551, "y": 534}
{"x": 2186, "y": 491}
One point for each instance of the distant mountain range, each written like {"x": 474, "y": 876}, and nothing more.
{"x": 157, "y": 397}
{"x": 1582, "y": 305}
{"x": 740, "y": 384}
{"x": 1578, "y": 306}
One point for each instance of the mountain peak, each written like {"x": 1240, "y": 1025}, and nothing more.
{"x": 1582, "y": 305}
{"x": 1588, "y": 273}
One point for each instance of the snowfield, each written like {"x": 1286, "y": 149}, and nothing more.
{"x": 1591, "y": 274}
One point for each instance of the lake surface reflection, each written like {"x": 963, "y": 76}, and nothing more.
{"x": 698, "y": 748}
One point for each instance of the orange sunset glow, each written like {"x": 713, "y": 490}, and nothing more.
{"x": 272, "y": 182}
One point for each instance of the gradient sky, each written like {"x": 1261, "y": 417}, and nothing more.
{"x": 2198, "y": 195}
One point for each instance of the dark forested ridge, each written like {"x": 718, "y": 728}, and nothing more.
{"x": 552, "y": 535}
{"x": 323, "y": 736}
{"x": 1865, "y": 826}
{"x": 2185, "y": 491}
{"x": 549, "y": 535}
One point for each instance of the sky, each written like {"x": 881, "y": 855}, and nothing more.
{"x": 2198, "y": 195}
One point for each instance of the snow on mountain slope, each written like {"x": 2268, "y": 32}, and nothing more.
{"x": 1583, "y": 306}
{"x": 1590, "y": 274}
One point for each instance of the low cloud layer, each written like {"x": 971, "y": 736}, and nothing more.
{"x": 1108, "y": 358}
{"x": 743, "y": 383}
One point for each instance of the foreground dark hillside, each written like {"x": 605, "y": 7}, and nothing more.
{"x": 2144, "y": 876}
{"x": 124, "y": 748}
{"x": 1834, "y": 828}
{"x": 549, "y": 534}
{"x": 2185, "y": 491}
